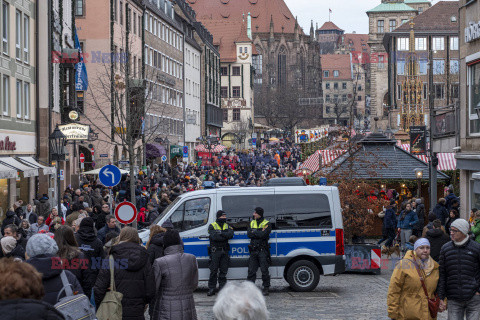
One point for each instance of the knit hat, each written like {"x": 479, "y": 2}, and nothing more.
{"x": 421, "y": 242}
{"x": 167, "y": 224}
{"x": 259, "y": 211}
{"x": 171, "y": 238}
{"x": 8, "y": 244}
{"x": 220, "y": 213}
{"x": 462, "y": 226}
{"x": 87, "y": 223}
{"x": 41, "y": 244}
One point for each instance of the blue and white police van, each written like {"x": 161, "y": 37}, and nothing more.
{"x": 307, "y": 229}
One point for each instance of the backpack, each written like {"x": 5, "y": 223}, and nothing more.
{"x": 74, "y": 307}
{"x": 111, "y": 306}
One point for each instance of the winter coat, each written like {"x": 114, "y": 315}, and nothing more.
{"x": 390, "y": 218}
{"x": 459, "y": 271}
{"x": 441, "y": 213}
{"x": 155, "y": 248}
{"x": 28, "y": 309}
{"x": 31, "y": 217}
{"x": 409, "y": 221}
{"x": 420, "y": 211}
{"x": 449, "y": 223}
{"x": 92, "y": 247}
{"x": 10, "y": 219}
{"x": 437, "y": 238}
{"x": 52, "y": 283}
{"x": 476, "y": 230}
{"x": 43, "y": 207}
{"x": 406, "y": 298}
{"x": 35, "y": 228}
{"x": 219, "y": 238}
{"x": 133, "y": 279}
{"x": 17, "y": 252}
{"x": 449, "y": 200}
{"x": 152, "y": 215}
{"x": 102, "y": 233}
{"x": 100, "y": 220}
{"x": 258, "y": 237}
{"x": 174, "y": 286}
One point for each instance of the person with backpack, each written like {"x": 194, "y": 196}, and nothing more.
{"x": 132, "y": 275}
{"x": 42, "y": 254}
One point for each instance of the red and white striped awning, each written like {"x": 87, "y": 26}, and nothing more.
{"x": 446, "y": 161}
{"x": 312, "y": 163}
{"x": 215, "y": 148}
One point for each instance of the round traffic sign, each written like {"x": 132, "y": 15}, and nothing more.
{"x": 126, "y": 212}
{"x": 164, "y": 158}
{"x": 82, "y": 158}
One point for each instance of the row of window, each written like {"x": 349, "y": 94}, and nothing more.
{"x": 335, "y": 86}
{"x": 438, "y": 88}
{"x": 235, "y": 115}
{"x": 162, "y": 62}
{"x": 236, "y": 71}
{"x": 164, "y": 94}
{"x": 335, "y": 98}
{"x": 438, "y": 67}
{"x": 392, "y": 23}
{"x": 438, "y": 43}
{"x": 22, "y": 33}
{"x": 192, "y": 88}
{"x": 164, "y": 125}
{"x": 22, "y": 95}
{"x": 326, "y": 73}
{"x": 163, "y": 31}
{"x": 236, "y": 92}
{"x": 193, "y": 59}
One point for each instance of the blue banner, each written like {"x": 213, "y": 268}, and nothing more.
{"x": 81, "y": 78}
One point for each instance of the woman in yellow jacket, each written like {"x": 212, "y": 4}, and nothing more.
{"x": 406, "y": 298}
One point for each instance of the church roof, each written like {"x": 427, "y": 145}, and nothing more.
{"x": 234, "y": 10}
{"x": 436, "y": 18}
{"x": 391, "y": 7}
{"x": 329, "y": 26}
{"x": 336, "y": 62}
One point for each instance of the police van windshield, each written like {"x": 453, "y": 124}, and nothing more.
{"x": 166, "y": 210}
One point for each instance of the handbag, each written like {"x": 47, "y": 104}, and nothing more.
{"x": 72, "y": 306}
{"x": 433, "y": 304}
{"x": 111, "y": 306}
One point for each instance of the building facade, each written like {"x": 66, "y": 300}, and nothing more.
{"x": 468, "y": 151}
{"x": 327, "y": 36}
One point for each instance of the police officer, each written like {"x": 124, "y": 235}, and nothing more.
{"x": 219, "y": 234}
{"x": 259, "y": 233}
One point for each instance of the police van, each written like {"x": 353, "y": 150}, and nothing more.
{"x": 307, "y": 229}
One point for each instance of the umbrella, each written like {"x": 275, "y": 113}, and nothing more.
{"x": 97, "y": 171}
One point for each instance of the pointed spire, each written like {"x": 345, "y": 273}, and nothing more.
{"x": 312, "y": 32}
{"x": 297, "y": 35}
{"x": 272, "y": 36}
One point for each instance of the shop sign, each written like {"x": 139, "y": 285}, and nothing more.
{"x": 418, "y": 140}
{"x": 176, "y": 151}
{"x": 8, "y": 145}
{"x": 472, "y": 32}
{"x": 75, "y": 131}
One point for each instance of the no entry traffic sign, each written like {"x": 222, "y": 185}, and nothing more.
{"x": 82, "y": 158}
{"x": 126, "y": 212}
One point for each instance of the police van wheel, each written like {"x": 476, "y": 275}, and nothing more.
{"x": 303, "y": 275}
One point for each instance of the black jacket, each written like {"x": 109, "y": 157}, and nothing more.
{"x": 133, "y": 278}
{"x": 449, "y": 223}
{"x": 92, "y": 247}
{"x": 29, "y": 309}
{"x": 258, "y": 237}
{"x": 17, "y": 252}
{"x": 459, "y": 271}
{"x": 420, "y": 210}
{"x": 81, "y": 267}
{"x": 441, "y": 213}
{"x": 155, "y": 248}
{"x": 100, "y": 220}
{"x": 437, "y": 239}
{"x": 219, "y": 239}
{"x": 52, "y": 283}
{"x": 11, "y": 218}
{"x": 102, "y": 233}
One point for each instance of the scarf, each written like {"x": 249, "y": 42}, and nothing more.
{"x": 461, "y": 243}
{"x": 426, "y": 265}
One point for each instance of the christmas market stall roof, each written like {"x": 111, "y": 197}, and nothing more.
{"x": 377, "y": 157}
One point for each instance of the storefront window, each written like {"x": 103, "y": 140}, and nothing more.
{"x": 3, "y": 197}
{"x": 474, "y": 97}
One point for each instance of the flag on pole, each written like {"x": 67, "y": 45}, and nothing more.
{"x": 329, "y": 10}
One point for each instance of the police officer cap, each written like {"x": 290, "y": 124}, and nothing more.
{"x": 220, "y": 213}
{"x": 259, "y": 211}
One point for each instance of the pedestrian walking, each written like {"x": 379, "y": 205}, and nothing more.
{"x": 420, "y": 211}
{"x": 219, "y": 234}
{"x": 155, "y": 243}
{"x": 174, "y": 286}
{"x": 240, "y": 301}
{"x": 109, "y": 227}
{"x": 437, "y": 238}
{"x": 259, "y": 233}
{"x": 441, "y": 211}
{"x": 454, "y": 215}
{"x": 389, "y": 224}
{"x": 37, "y": 227}
{"x": 11, "y": 218}
{"x": 413, "y": 281}
{"x": 459, "y": 280}
{"x": 407, "y": 220}
{"x": 132, "y": 275}
{"x": 11, "y": 249}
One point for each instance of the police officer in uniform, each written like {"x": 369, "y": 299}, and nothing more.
{"x": 219, "y": 234}
{"x": 259, "y": 233}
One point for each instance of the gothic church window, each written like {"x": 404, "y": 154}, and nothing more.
{"x": 282, "y": 67}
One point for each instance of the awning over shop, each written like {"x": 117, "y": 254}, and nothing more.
{"x": 28, "y": 171}
{"x": 29, "y": 161}
{"x": 7, "y": 172}
{"x": 446, "y": 161}
{"x": 155, "y": 150}
{"x": 215, "y": 149}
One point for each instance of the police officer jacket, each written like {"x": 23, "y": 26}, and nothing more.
{"x": 219, "y": 235}
{"x": 258, "y": 236}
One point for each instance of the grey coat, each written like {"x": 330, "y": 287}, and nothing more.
{"x": 176, "y": 277}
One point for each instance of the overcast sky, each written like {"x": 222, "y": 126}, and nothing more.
{"x": 347, "y": 14}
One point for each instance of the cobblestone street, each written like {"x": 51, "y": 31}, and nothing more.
{"x": 346, "y": 296}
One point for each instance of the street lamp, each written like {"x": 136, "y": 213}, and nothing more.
{"x": 57, "y": 142}
{"x": 419, "y": 176}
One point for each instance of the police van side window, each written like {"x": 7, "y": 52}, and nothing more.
{"x": 191, "y": 214}
{"x": 239, "y": 209}
{"x": 298, "y": 211}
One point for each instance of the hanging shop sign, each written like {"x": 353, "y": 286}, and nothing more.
{"x": 75, "y": 131}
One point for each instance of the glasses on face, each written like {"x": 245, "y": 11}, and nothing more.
{"x": 454, "y": 231}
